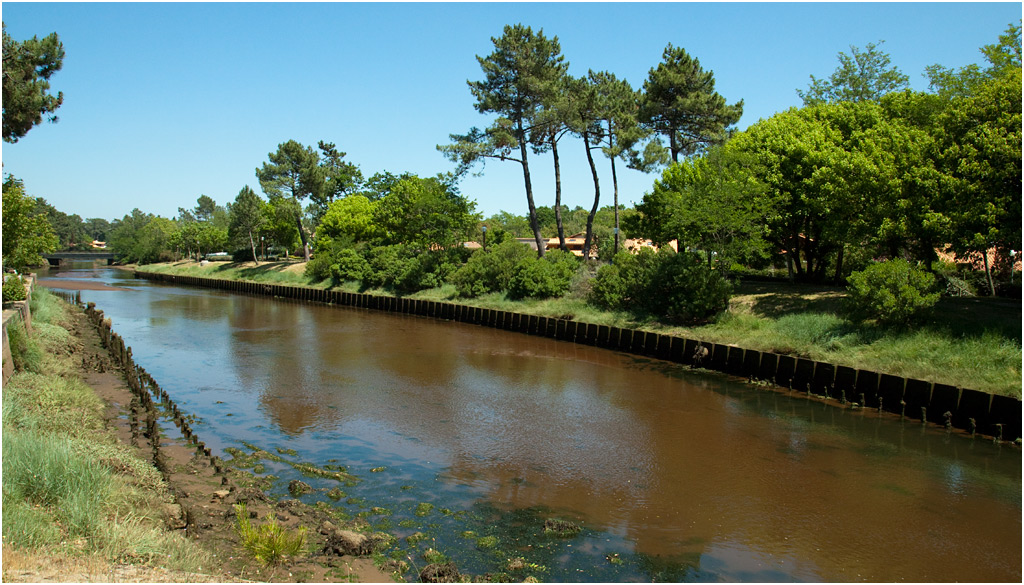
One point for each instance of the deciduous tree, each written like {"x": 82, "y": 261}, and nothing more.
{"x": 27, "y": 234}
{"x": 861, "y": 75}
{"x": 981, "y": 151}
{"x": 247, "y": 220}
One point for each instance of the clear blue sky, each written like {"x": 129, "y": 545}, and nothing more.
{"x": 165, "y": 102}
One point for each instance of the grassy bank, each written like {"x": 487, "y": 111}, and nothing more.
{"x": 73, "y": 495}
{"x": 972, "y": 342}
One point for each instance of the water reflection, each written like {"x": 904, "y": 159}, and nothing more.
{"x": 705, "y": 477}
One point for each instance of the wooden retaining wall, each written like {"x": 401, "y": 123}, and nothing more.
{"x": 971, "y": 410}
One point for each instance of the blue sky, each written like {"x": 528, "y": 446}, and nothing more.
{"x": 166, "y": 102}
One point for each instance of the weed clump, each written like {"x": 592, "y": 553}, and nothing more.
{"x": 561, "y": 528}
{"x": 270, "y": 543}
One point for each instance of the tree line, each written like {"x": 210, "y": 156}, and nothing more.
{"x": 866, "y": 169}
{"x": 537, "y": 102}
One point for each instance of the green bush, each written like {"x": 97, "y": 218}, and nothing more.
{"x": 545, "y": 277}
{"x": 490, "y": 270}
{"x": 14, "y": 289}
{"x": 684, "y": 289}
{"x": 679, "y": 288}
{"x": 609, "y": 289}
{"x": 892, "y": 292}
{"x": 387, "y": 264}
{"x": 431, "y": 269}
{"x": 349, "y": 265}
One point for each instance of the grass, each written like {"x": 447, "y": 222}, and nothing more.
{"x": 69, "y": 487}
{"x": 969, "y": 342}
{"x": 268, "y": 543}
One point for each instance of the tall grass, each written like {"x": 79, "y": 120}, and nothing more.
{"x": 45, "y": 471}
{"x": 268, "y": 543}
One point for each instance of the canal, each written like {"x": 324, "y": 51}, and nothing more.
{"x": 459, "y": 432}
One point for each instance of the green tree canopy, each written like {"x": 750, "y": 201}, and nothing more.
{"x": 27, "y": 69}
{"x": 335, "y": 179}
{"x": 292, "y": 172}
{"x": 248, "y": 217}
{"x": 680, "y": 102}
{"x": 1002, "y": 57}
{"x": 27, "y": 233}
{"x": 425, "y": 214}
{"x": 349, "y": 218}
{"x": 861, "y": 75}
{"x": 711, "y": 203}
{"x": 142, "y": 237}
{"x": 981, "y": 151}
{"x": 521, "y": 77}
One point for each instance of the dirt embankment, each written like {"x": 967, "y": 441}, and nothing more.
{"x": 205, "y": 493}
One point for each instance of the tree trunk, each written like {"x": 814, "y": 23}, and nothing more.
{"x": 615, "y": 189}
{"x": 615, "y": 186}
{"x": 521, "y": 135}
{"x": 839, "y": 263}
{"x": 302, "y": 232}
{"x": 673, "y": 147}
{"x": 252, "y": 245}
{"x": 988, "y": 274}
{"x": 558, "y": 196}
{"x": 597, "y": 198}
{"x": 794, "y": 254}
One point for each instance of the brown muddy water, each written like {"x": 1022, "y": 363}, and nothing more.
{"x": 460, "y": 431}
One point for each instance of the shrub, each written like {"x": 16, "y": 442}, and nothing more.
{"x": 609, "y": 290}
{"x": 490, "y": 270}
{"x": 14, "y": 289}
{"x": 892, "y": 292}
{"x": 545, "y": 277}
{"x": 430, "y": 269}
{"x": 244, "y": 255}
{"x": 684, "y": 289}
{"x": 679, "y": 288}
{"x": 387, "y": 264}
{"x": 327, "y": 251}
{"x": 349, "y": 265}
{"x": 270, "y": 543}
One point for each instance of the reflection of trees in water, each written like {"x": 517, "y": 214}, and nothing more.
{"x": 269, "y": 341}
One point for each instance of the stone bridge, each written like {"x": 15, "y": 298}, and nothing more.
{"x": 58, "y": 258}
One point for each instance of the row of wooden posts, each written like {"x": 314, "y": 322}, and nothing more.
{"x": 977, "y": 412}
{"x": 143, "y": 414}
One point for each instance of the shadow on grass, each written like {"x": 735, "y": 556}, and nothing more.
{"x": 773, "y": 299}
{"x": 956, "y": 317}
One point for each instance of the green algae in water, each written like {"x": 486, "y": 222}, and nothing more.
{"x": 487, "y": 542}
{"x": 424, "y": 508}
